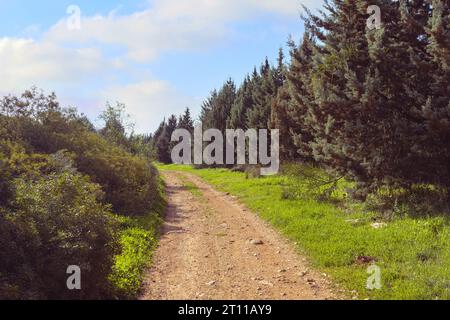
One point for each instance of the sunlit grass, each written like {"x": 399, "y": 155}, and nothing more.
{"x": 138, "y": 239}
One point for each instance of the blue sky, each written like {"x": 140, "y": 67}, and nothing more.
{"x": 157, "y": 57}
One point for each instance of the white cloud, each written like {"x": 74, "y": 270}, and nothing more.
{"x": 229, "y": 9}
{"x": 148, "y": 102}
{"x": 169, "y": 25}
{"x": 145, "y": 35}
{"x": 25, "y": 62}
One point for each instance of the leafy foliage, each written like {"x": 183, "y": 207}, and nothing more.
{"x": 53, "y": 218}
{"x": 62, "y": 185}
{"x": 137, "y": 241}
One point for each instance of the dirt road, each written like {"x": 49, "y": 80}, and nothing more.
{"x": 214, "y": 248}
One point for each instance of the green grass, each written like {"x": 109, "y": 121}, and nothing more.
{"x": 413, "y": 253}
{"x": 137, "y": 240}
{"x": 191, "y": 187}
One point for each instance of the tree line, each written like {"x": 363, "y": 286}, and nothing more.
{"x": 369, "y": 105}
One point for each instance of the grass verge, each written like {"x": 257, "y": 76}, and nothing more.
{"x": 137, "y": 240}
{"x": 413, "y": 254}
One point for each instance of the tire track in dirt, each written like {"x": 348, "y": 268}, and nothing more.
{"x": 209, "y": 250}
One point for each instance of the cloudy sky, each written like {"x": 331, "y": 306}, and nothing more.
{"x": 156, "y": 56}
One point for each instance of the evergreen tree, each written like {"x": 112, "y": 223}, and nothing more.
{"x": 244, "y": 102}
{"x": 222, "y": 105}
{"x": 436, "y": 111}
{"x": 281, "y": 120}
{"x": 345, "y": 127}
{"x": 396, "y": 85}
{"x": 186, "y": 122}
{"x": 155, "y": 138}
{"x": 164, "y": 144}
{"x": 264, "y": 91}
{"x": 279, "y": 74}
{"x": 301, "y": 99}
{"x": 206, "y": 116}
{"x": 367, "y": 118}
{"x": 159, "y": 131}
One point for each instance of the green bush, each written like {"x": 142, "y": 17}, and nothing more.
{"x": 41, "y": 126}
{"x": 53, "y": 222}
{"x": 61, "y": 187}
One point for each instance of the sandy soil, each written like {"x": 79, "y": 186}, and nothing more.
{"x": 212, "y": 247}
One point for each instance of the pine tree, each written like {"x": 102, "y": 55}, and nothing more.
{"x": 186, "y": 122}
{"x": 206, "y": 116}
{"x": 279, "y": 74}
{"x": 367, "y": 118}
{"x": 396, "y": 85}
{"x": 243, "y": 103}
{"x": 301, "y": 99}
{"x": 335, "y": 117}
{"x": 281, "y": 120}
{"x": 158, "y": 132}
{"x": 163, "y": 143}
{"x": 264, "y": 92}
{"x": 222, "y": 105}
{"x": 436, "y": 110}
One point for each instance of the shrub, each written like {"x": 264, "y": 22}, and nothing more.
{"x": 60, "y": 182}
{"x": 41, "y": 125}
{"x": 53, "y": 220}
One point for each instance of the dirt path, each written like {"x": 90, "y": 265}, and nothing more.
{"x": 209, "y": 250}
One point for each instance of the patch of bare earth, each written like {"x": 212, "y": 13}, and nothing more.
{"x": 212, "y": 247}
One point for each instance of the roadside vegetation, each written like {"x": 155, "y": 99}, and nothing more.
{"x": 138, "y": 240}
{"x": 343, "y": 237}
{"x": 73, "y": 195}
